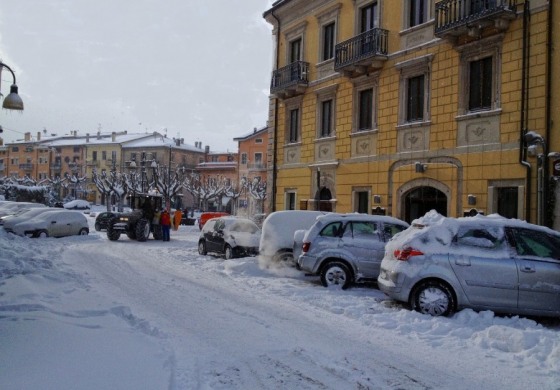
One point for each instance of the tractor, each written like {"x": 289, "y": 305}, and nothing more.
{"x": 138, "y": 223}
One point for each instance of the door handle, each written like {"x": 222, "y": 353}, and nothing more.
{"x": 528, "y": 268}
{"x": 463, "y": 261}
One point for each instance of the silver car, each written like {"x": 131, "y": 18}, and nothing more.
{"x": 347, "y": 248}
{"x": 440, "y": 265}
{"x": 55, "y": 223}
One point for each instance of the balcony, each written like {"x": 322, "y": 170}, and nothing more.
{"x": 92, "y": 163}
{"x": 26, "y": 166}
{"x": 56, "y": 167}
{"x": 455, "y": 18}
{"x": 362, "y": 53}
{"x": 290, "y": 80}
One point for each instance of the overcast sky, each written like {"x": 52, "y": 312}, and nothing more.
{"x": 198, "y": 68}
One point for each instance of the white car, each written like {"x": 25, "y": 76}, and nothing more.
{"x": 24, "y": 215}
{"x": 57, "y": 223}
{"x": 13, "y": 207}
{"x": 77, "y": 204}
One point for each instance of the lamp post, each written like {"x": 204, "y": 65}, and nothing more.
{"x": 13, "y": 100}
{"x": 534, "y": 139}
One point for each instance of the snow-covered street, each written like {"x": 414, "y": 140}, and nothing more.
{"x": 88, "y": 313}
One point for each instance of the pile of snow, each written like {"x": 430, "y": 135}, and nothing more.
{"x": 83, "y": 312}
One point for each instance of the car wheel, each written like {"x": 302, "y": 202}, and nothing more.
{"x": 202, "y": 248}
{"x": 434, "y": 298}
{"x": 83, "y": 232}
{"x": 42, "y": 234}
{"x": 336, "y": 274}
{"x": 142, "y": 230}
{"x": 97, "y": 227}
{"x": 228, "y": 252}
{"x": 284, "y": 257}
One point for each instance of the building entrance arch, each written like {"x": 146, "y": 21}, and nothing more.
{"x": 419, "y": 200}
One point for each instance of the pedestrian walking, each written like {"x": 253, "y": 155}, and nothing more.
{"x": 177, "y": 219}
{"x": 165, "y": 222}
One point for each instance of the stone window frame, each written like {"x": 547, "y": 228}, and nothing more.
{"x": 358, "y": 5}
{"x": 290, "y": 35}
{"x": 494, "y": 185}
{"x": 290, "y": 105}
{"x": 324, "y": 94}
{"x": 324, "y": 18}
{"x": 287, "y": 193}
{"x": 430, "y": 6}
{"x": 243, "y": 160}
{"x": 361, "y": 84}
{"x": 484, "y": 48}
{"x": 360, "y": 189}
{"x": 409, "y": 69}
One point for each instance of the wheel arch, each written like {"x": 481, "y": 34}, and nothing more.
{"x": 331, "y": 259}
{"x": 436, "y": 279}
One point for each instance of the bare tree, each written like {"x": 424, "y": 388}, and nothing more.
{"x": 204, "y": 189}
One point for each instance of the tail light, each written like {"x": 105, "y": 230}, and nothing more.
{"x": 406, "y": 253}
{"x": 305, "y": 247}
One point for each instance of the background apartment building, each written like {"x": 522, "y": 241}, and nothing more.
{"x": 399, "y": 107}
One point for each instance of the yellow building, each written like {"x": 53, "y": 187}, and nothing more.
{"x": 400, "y": 107}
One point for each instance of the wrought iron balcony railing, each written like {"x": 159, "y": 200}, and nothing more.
{"x": 454, "y": 14}
{"x": 26, "y": 166}
{"x": 356, "y": 50}
{"x": 292, "y": 77}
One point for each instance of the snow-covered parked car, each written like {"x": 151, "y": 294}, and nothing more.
{"x": 440, "y": 265}
{"x": 24, "y": 215}
{"x": 14, "y": 208}
{"x": 347, "y": 248}
{"x": 77, "y": 204}
{"x": 56, "y": 223}
{"x": 230, "y": 236}
{"x": 278, "y": 229}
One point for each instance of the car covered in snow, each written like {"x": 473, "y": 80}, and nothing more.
{"x": 440, "y": 265}
{"x": 55, "y": 223}
{"x": 77, "y": 204}
{"x": 24, "y": 215}
{"x": 278, "y": 229}
{"x": 347, "y": 248}
{"x": 13, "y": 208}
{"x": 230, "y": 236}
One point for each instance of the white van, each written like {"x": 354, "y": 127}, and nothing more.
{"x": 277, "y": 238}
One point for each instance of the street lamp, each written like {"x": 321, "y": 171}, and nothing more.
{"x": 13, "y": 100}
{"x": 534, "y": 139}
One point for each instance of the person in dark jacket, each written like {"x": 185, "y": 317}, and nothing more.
{"x": 165, "y": 222}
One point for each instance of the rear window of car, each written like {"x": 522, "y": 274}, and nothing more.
{"x": 390, "y": 229}
{"x": 331, "y": 230}
{"x": 479, "y": 238}
{"x": 243, "y": 226}
{"x": 360, "y": 229}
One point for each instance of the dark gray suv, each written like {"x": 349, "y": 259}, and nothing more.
{"x": 347, "y": 248}
{"x": 440, "y": 265}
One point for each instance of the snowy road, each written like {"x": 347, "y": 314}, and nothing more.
{"x": 200, "y": 322}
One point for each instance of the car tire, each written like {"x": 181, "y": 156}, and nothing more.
{"x": 228, "y": 252}
{"x": 112, "y": 235}
{"x": 284, "y": 257}
{"x": 97, "y": 227}
{"x": 42, "y": 234}
{"x": 434, "y": 298}
{"x": 142, "y": 230}
{"x": 336, "y": 274}
{"x": 202, "y": 248}
{"x": 83, "y": 232}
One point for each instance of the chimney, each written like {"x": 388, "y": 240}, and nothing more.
{"x": 254, "y": 130}
{"x": 27, "y": 137}
{"x": 87, "y": 137}
{"x": 98, "y": 134}
{"x": 38, "y": 136}
{"x": 207, "y": 149}
{"x": 113, "y": 136}
{"x": 182, "y": 141}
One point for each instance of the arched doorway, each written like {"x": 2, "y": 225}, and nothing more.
{"x": 420, "y": 200}
{"x": 323, "y": 200}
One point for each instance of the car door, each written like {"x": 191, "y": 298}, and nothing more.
{"x": 366, "y": 246}
{"x": 56, "y": 225}
{"x": 209, "y": 235}
{"x": 484, "y": 267}
{"x": 538, "y": 263}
